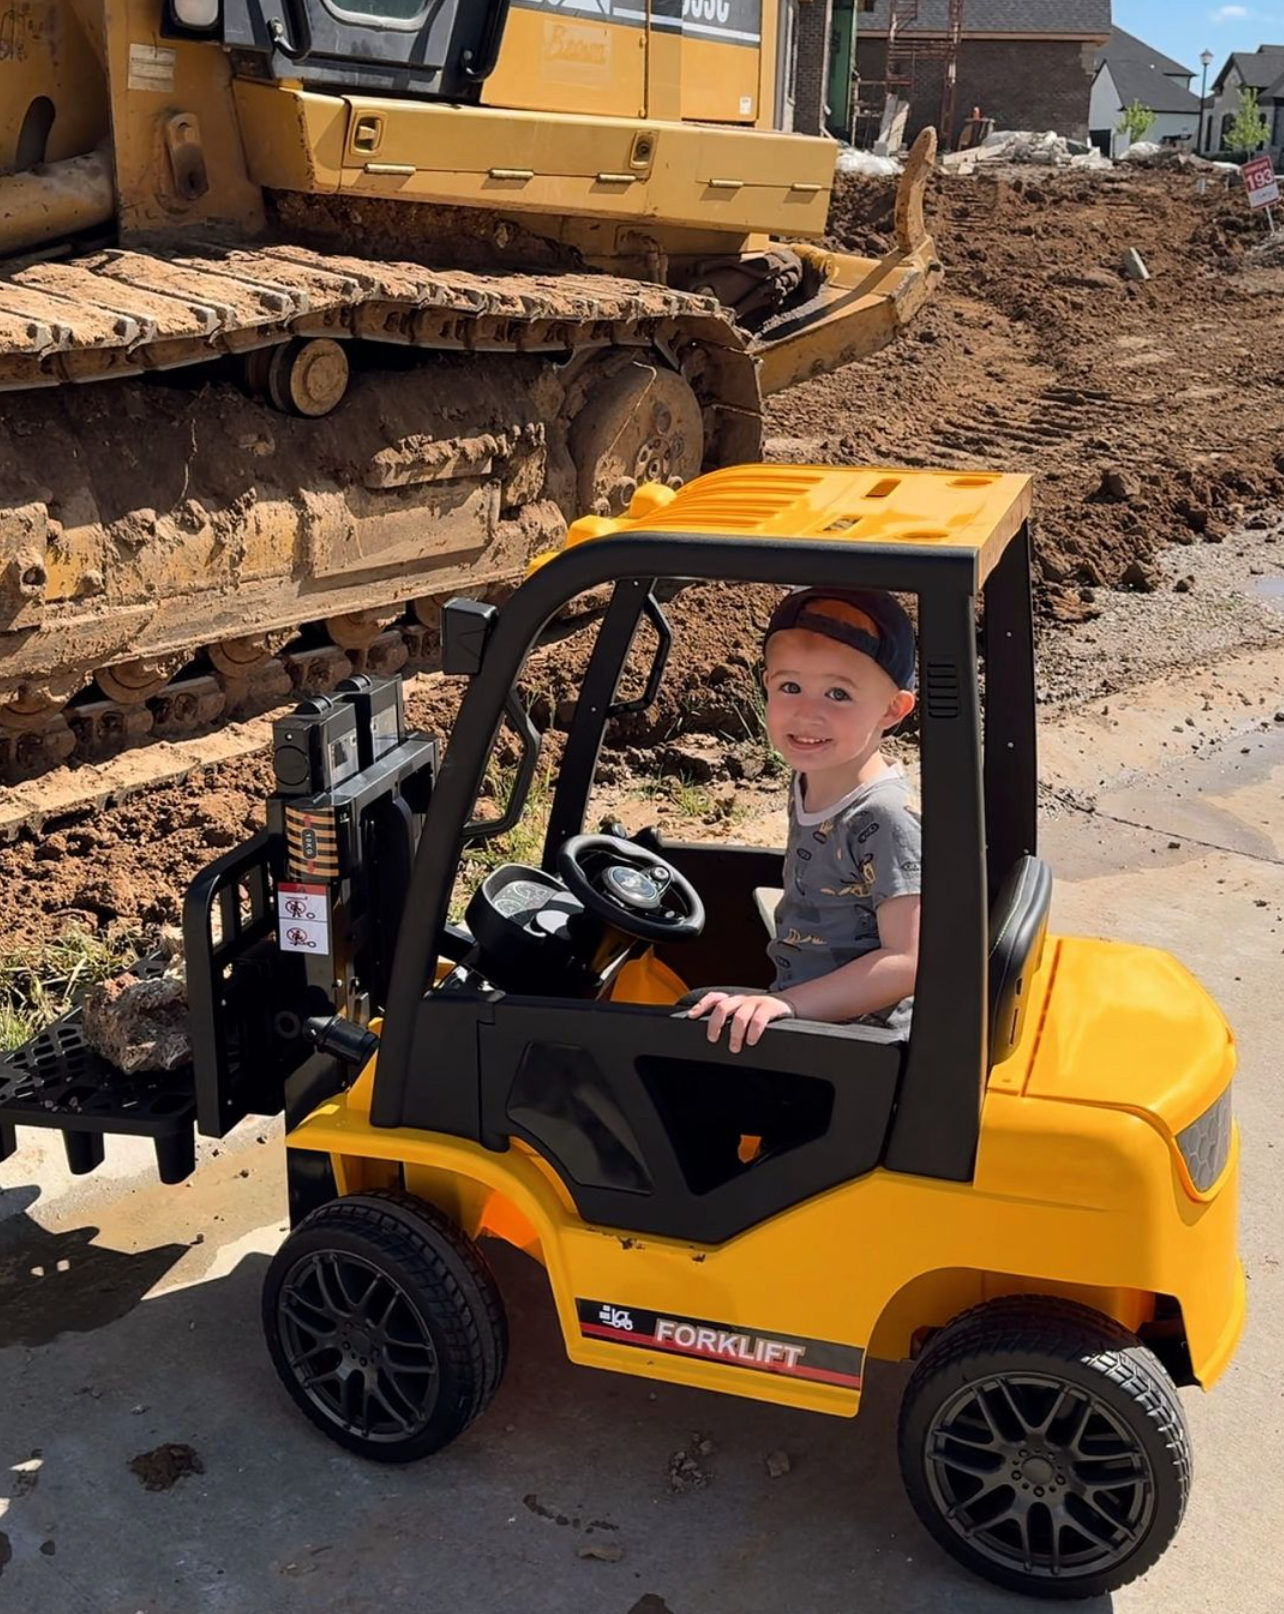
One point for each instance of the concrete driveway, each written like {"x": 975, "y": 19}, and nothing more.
{"x": 129, "y": 1317}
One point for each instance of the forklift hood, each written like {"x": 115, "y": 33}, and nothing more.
{"x": 1129, "y": 1028}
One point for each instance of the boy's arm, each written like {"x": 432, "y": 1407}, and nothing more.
{"x": 876, "y": 980}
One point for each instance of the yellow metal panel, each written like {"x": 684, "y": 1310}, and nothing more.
{"x": 733, "y": 180}
{"x": 570, "y": 62}
{"x": 294, "y": 141}
{"x": 151, "y": 80}
{"x": 720, "y": 83}
{"x": 977, "y": 511}
{"x": 664, "y": 73}
{"x": 44, "y": 52}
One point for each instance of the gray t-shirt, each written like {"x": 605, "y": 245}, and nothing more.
{"x": 841, "y": 865}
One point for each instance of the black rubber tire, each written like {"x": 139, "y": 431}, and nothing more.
{"x": 1043, "y": 1337}
{"x": 442, "y": 1276}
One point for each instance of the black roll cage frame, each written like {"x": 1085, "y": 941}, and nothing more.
{"x": 979, "y": 810}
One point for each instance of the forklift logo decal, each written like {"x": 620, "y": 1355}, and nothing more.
{"x": 796, "y": 1357}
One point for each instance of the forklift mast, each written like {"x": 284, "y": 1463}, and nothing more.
{"x": 288, "y": 941}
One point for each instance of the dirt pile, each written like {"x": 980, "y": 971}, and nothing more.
{"x": 1039, "y": 355}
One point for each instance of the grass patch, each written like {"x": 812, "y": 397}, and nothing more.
{"x": 691, "y": 799}
{"x": 39, "y": 984}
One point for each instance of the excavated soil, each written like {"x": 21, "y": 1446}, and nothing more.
{"x": 1151, "y": 414}
{"x": 1040, "y": 355}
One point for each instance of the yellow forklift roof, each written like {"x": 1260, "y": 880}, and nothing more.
{"x": 979, "y": 511}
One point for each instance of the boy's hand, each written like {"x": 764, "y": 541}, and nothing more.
{"x": 748, "y": 1015}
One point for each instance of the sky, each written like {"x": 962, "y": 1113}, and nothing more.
{"x": 1183, "y": 28}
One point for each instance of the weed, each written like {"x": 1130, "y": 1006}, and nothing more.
{"x": 752, "y": 714}
{"x": 39, "y": 984}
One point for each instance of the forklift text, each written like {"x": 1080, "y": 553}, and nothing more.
{"x": 721, "y": 1342}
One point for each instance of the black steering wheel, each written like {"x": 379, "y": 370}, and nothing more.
{"x": 633, "y": 889}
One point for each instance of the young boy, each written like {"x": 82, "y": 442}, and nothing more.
{"x": 839, "y": 671}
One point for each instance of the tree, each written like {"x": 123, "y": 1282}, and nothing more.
{"x": 1134, "y": 121}
{"x": 1249, "y": 129}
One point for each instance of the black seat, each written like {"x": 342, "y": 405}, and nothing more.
{"x": 1018, "y": 925}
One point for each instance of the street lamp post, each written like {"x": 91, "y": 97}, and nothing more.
{"x": 1206, "y": 61}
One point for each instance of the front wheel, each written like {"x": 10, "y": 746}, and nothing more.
{"x": 1045, "y": 1448}
{"x": 385, "y": 1325}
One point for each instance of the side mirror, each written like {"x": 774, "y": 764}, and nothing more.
{"x": 465, "y": 629}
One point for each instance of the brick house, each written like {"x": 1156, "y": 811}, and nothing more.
{"x": 1027, "y": 66}
{"x": 1130, "y": 70}
{"x": 1261, "y": 70}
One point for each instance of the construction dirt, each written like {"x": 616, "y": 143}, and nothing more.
{"x": 1151, "y": 413}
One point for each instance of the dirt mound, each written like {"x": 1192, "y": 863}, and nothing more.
{"x": 1039, "y": 355}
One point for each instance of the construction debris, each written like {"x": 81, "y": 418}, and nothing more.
{"x": 1134, "y": 265}
{"x": 866, "y": 163}
{"x": 1046, "y": 149}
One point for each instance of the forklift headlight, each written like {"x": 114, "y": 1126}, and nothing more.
{"x": 1205, "y": 1143}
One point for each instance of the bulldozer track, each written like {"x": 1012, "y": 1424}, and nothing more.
{"x": 190, "y": 726}
{"x": 124, "y": 532}
{"x": 126, "y": 312}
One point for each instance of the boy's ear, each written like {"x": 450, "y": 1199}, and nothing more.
{"x": 899, "y": 708}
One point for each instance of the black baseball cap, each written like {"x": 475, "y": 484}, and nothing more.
{"x": 891, "y": 645}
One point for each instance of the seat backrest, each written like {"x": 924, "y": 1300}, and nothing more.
{"x": 1018, "y": 925}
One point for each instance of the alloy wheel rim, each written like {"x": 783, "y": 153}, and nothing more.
{"x": 358, "y": 1347}
{"x": 1039, "y": 1475}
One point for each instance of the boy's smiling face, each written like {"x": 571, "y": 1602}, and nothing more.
{"x": 828, "y": 705}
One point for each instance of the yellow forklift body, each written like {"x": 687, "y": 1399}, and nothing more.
{"x": 1082, "y": 1188}
{"x": 1063, "y": 1190}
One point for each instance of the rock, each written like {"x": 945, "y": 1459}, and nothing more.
{"x": 778, "y": 1463}
{"x": 1134, "y": 265}
{"x": 1183, "y": 585}
{"x": 1092, "y": 277}
{"x": 138, "y": 1025}
{"x": 1119, "y": 485}
{"x": 604, "y": 1552}
{"x": 685, "y": 1473}
{"x": 1140, "y": 577}
{"x": 1194, "y": 515}
{"x": 691, "y": 760}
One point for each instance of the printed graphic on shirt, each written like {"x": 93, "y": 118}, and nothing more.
{"x": 861, "y": 887}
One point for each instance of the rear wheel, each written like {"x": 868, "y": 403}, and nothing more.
{"x": 1045, "y": 1448}
{"x": 385, "y": 1325}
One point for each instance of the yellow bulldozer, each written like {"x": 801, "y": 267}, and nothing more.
{"x": 379, "y": 293}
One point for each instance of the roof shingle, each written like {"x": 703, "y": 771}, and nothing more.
{"x": 1121, "y": 47}
{"x": 1257, "y": 68}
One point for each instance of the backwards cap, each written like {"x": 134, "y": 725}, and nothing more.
{"x": 867, "y": 620}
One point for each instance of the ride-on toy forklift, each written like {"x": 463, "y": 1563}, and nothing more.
{"x": 1033, "y": 1195}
